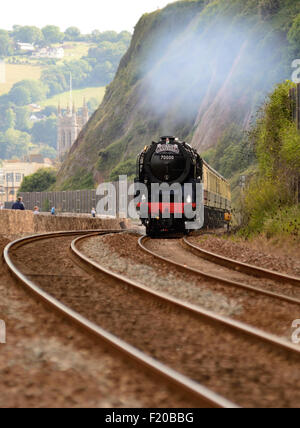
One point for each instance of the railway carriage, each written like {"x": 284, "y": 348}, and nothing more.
{"x": 217, "y": 197}
{"x": 174, "y": 162}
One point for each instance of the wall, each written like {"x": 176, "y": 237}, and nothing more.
{"x": 25, "y": 222}
{"x": 72, "y": 201}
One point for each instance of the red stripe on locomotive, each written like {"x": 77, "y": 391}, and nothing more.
{"x": 163, "y": 207}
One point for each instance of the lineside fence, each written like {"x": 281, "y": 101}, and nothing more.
{"x": 77, "y": 201}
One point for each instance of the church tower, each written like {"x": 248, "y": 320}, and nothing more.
{"x": 69, "y": 125}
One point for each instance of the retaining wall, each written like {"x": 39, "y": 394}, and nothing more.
{"x": 13, "y": 222}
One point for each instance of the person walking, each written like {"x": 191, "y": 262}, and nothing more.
{"x": 93, "y": 212}
{"x": 53, "y": 211}
{"x": 18, "y": 205}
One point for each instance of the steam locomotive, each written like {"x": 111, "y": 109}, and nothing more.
{"x": 178, "y": 165}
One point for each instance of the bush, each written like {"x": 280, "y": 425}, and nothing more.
{"x": 294, "y": 35}
{"x": 276, "y": 188}
{"x": 45, "y": 131}
{"x": 268, "y": 7}
{"x": 26, "y": 92}
{"x": 40, "y": 181}
{"x": 127, "y": 167}
{"x": 262, "y": 201}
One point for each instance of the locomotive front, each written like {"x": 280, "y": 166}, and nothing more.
{"x": 172, "y": 163}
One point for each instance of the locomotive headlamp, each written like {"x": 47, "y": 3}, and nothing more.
{"x": 189, "y": 199}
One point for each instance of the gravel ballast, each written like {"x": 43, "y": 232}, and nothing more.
{"x": 245, "y": 253}
{"x": 47, "y": 362}
{"x": 123, "y": 255}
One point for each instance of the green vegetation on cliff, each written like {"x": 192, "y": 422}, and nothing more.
{"x": 198, "y": 69}
{"x": 271, "y": 202}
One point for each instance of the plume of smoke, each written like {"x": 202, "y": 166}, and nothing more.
{"x": 236, "y": 61}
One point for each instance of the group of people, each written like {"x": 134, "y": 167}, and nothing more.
{"x": 19, "y": 205}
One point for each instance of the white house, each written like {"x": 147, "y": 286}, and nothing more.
{"x": 48, "y": 52}
{"x": 28, "y": 47}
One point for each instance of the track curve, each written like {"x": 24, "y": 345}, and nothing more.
{"x": 183, "y": 267}
{"x": 204, "y": 396}
{"x": 242, "y": 267}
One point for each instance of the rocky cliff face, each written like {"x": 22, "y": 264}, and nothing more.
{"x": 192, "y": 70}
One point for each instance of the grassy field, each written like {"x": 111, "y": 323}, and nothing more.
{"x": 76, "y": 50}
{"x": 73, "y": 51}
{"x": 78, "y": 96}
{"x": 14, "y": 73}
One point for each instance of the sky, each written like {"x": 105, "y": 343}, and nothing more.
{"x": 87, "y": 15}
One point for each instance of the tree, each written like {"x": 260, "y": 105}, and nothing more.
{"x": 7, "y": 118}
{"x": 40, "y": 181}
{"x": 26, "y": 92}
{"x": 22, "y": 119}
{"x": 28, "y": 34}
{"x": 47, "y": 151}
{"x": 52, "y": 34}
{"x": 124, "y": 37}
{"x": 106, "y": 36}
{"x": 108, "y": 51}
{"x": 102, "y": 74}
{"x": 95, "y": 36}
{"x": 20, "y": 96}
{"x": 93, "y": 104}
{"x": 294, "y": 34}
{"x": 49, "y": 111}
{"x": 6, "y": 46}
{"x": 45, "y": 132}
{"x": 13, "y": 143}
{"x": 72, "y": 33}
{"x": 268, "y": 7}
{"x": 54, "y": 77}
{"x": 57, "y": 77}
{"x": 37, "y": 90}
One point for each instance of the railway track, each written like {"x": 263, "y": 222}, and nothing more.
{"x": 242, "y": 267}
{"x": 239, "y": 355}
{"x": 281, "y": 287}
{"x": 196, "y": 347}
{"x": 34, "y": 279}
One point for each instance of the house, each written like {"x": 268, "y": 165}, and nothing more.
{"x": 34, "y": 118}
{"x": 35, "y": 108}
{"x": 49, "y": 52}
{"x": 13, "y": 172}
{"x": 26, "y": 47}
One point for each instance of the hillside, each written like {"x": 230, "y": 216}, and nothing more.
{"x": 78, "y": 96}
{"x": 193, "y": 69}
{"x": 23, "y": 67}
{"x": 35, "y": 69}
{"x": 15, "y": 73}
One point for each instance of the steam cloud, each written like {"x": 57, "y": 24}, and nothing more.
{"x": 219, "y": 65}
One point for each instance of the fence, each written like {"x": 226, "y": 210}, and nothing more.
{"x": 295, "y": 104}
{"x": 77, "y": 201}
